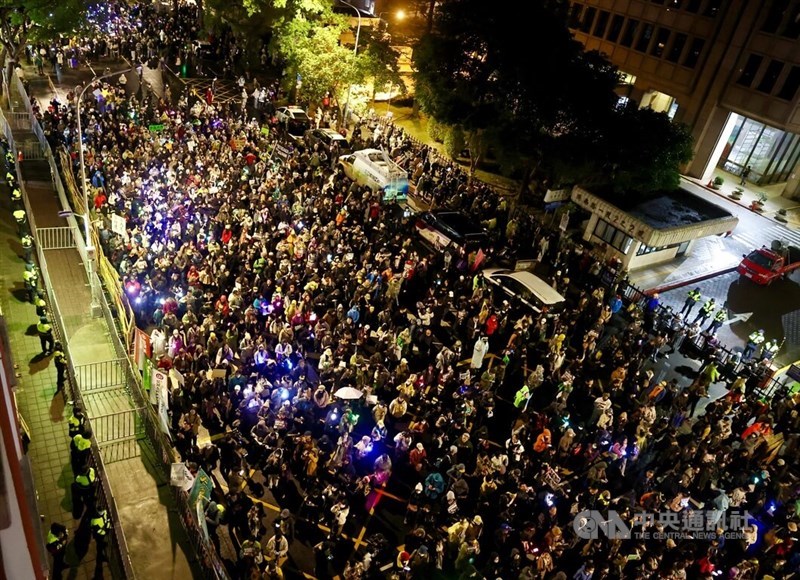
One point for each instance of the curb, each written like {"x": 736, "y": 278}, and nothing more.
{"x": 739, "y": 203}
{"x": 689, "y": 281}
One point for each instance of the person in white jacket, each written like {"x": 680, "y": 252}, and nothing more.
{"x": 158, "y": 341}
{"x": 479, "y": 352}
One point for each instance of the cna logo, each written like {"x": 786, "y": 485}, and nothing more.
{"x": 588, "y": 525}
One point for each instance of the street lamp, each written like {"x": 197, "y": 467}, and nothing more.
{"x": 90, "y": 249}
{"x": 355, "y": 54}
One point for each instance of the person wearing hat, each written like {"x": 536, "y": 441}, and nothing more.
{"x": 30, "y": 278}
{"x": 45, "y": 332}
{"x": 60, "y": 360}
{"x": 57, "y": 539}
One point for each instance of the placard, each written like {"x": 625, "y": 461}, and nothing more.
{"x": 118, "y": 225}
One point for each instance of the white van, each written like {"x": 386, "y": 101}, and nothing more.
{"x": 374, "y": 168}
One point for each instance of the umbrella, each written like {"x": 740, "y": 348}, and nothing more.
{"x": 348, "y": 393}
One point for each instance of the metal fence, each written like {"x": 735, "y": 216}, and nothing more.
{"x": 119, "y": 426}
{"x": 58, "y": 238}
{"x": 20, "y": 121}
{"x": 102, "y": 375}
{"x": 117, "y": 553}
{"x": 212, "y": 566}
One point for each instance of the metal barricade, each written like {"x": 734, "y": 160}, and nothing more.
{"x": 59, "y": 238}
{"x": 20, "y": 121}
{"x": 31, "y": 150}
{"x": 117, "y": 426}
{"x": 102, "y": 375}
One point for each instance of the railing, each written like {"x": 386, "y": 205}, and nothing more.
{"x": 21, "y": 121}
{"x": 59, "y": 238}
{"x": 117, "y": 426}
{"x": 119, "y": 560}
{"x": 101, "y": 375}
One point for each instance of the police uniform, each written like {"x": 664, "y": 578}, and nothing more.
{"x": 692, "y": 298}
{"x": 45, "y": 332}
{"x": 60, "y": 360}
{"x": 719, "y": 318}
{"x": 22, "y": 221}
{"x": 755, "y": 339}
{"x": 83, "y": 490}
{"x": 705, "y": 311}
{"x": 27, "y": 247}
{"x": 31, "y": 279}
{"x": 76, "y": 422}
{"x": 101, "y": 526}
{"x": 57, "y": 539}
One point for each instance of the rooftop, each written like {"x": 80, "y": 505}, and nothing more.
{"x": 665, "y": 209}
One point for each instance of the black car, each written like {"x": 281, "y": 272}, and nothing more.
{"x": 446, "y": 229}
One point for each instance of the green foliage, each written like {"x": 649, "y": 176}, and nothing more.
{"x": 37, "y": 20}
{"x": 454, "y": 141}
{"x": 643, "y": 151}
{"x": 436, "y": 130}
{"x": 542, "y": 102}
{"x": 718, "y": 180}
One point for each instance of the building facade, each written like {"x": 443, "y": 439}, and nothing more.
{"x": 729, "y": 69}
{"x": 650, "y": 231}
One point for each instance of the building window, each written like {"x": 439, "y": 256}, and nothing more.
{"x": 790, "y": 85}
{"x": 693, "y": 6}
{"x": 644, "y": 249}
{"x": 575, "y": 14}
{"x": 750, "y": 69}
{"x": 712, "y": 8}
{"x": 615, "y": 28}
{"x": 662, "y": 38}
{"x": 630, "y": 32}
{"x": 675, "y": 51}
{"x": 775, "y": 14}
{"x": 601, "y": 24}
{"x": 770, "y": 77}
{"x": 588, "y": 19}
{"x": 792, "y": 28}
{"x": 612, "y": 236}
{"x": 691, "y": 58}
{"x": 645, "y": 37}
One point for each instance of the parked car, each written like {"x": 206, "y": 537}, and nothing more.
{"x": 443, "y": 229}
{"x": 765, "y": 265}
{"x": 525, "y": 286}
{"x": 327, "y": 137}
{"x": 294, "y": 119}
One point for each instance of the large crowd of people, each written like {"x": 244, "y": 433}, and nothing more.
{"x": 353, "y": 362}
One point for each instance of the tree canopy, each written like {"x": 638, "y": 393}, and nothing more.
{"x": 524, "y": 88}
{"x": 36, "y": 20}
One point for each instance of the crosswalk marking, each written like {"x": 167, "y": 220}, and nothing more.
{"x": 764, "y": 237}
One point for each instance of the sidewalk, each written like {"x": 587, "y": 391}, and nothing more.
{"x": 156, "y": 541}
{"x": 44, "y": 410}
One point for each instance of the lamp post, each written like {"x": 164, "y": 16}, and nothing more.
{"x": 355, "y": 54}
{"x": 90, "y": 249}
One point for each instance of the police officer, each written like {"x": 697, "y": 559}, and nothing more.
{"x": 22, "y": 222}
{"x": 45, "y": 331}
{"x": 41, "y": 306}
{"x": 83, "y": 492}
{"x": 27, "y": 248}
{"x": 61, "y": 366}
{"x": 10, "y": 177}
{"x": 57, "y": 539}
{"x": 77, "y": 422}
{"x": 101, "y": 526}
{"x": 16, "y": 197}
{"x": 80, "y": 449}
{"x": 719, "y": 319}
{"x": 753, "y": 341}
{"x": 31, "y": 279}
{"x": 692, "y": 298}
{"x": 705, "y": 311}
{"x": 770, "y": 349}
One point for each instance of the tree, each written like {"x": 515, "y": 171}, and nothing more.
{"x": 379, "y": 61}
{"x": 643, "y": 151}
{"x": 35, "y": 20}
{"x": 515, "y": 85}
